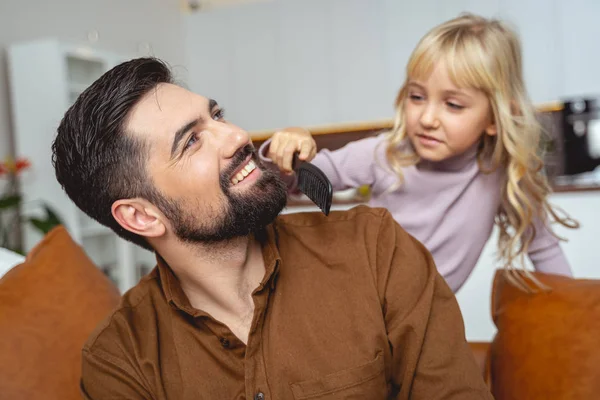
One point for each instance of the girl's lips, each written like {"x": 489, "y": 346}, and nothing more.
{"x": 428, "y": 141}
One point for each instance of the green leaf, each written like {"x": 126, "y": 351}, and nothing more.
{"x": 52, "y": 218}
{"x": 10, "y": 201}
{"x": 40, "y": 224}
{"x": 46, "y": 224}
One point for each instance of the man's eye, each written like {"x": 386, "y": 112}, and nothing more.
{"x": 191, "y": 141}
{"x": 219, "y": 114}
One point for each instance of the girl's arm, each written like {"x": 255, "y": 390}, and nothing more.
{"x": 545, "y": 252}
{"x": 351, "y": 166}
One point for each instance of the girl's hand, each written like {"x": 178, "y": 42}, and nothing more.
{"x": 289, "y": 141}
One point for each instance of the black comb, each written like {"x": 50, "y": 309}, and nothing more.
{"x": 314, "y": 184}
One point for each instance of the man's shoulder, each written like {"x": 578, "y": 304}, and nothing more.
{"x": 137, "y": 306}
{"x": 356, "y": 215}
{"x": 358, "y": 220}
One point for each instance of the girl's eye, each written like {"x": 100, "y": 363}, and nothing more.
{"x": 454, "y": 106}
{"x": 416, "y": 97}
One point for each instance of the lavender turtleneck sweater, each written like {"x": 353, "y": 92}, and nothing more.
{"x": 448, "y": 206}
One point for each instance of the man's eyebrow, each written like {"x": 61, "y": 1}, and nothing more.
{"x": 184, "y": 129}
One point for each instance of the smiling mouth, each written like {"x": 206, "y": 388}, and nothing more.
{"x": 243, "y": 172}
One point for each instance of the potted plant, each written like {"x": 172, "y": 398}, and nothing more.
{"x": 10, "y": 206}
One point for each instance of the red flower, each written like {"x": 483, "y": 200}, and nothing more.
{"x": 11, "y": 166}
{"x": 21, "y": 164}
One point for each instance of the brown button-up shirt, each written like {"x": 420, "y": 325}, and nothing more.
{"x": 350, "y": 307}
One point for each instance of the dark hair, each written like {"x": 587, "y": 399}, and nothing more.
{"x": 95, "y": 160}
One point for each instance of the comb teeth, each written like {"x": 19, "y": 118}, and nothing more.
{"x": 314, "y": 184}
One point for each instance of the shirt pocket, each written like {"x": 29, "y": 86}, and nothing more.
{"x": 366, "y": 381}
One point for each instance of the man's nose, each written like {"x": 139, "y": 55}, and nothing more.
{"x": 232, "y": 138}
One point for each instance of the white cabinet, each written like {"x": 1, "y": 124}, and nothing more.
{"x": 46, "y": 76}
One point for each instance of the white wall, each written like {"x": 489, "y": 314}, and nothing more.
{"x": 123, "y": 27}
{"x": 311, "y": 62}
{"x": 320, "y": 61}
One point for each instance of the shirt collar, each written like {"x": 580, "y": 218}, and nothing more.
{"x": 175, "y": 295}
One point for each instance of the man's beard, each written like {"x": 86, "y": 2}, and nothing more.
{"x": 241, "y": 214}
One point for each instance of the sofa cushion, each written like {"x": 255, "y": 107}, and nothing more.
{"x": 547, "y": 343}
{"x": 481, "y": 352}
{"x": 49, "y": 305}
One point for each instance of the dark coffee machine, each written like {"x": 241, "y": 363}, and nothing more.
{"x": 580, "y": 120}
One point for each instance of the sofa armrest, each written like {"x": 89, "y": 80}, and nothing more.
{"x": 481, "y": 351}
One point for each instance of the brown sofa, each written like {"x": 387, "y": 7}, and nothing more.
{"x": 547, "y": 343}
{"x": 545, "y": 347}
{"x": 49, "y": 305}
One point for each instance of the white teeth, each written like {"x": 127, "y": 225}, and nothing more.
{"x": 244, "y": 172}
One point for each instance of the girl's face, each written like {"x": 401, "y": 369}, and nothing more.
{"x": 443, "y": 120}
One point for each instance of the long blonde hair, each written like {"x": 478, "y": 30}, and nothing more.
{"x": 485, "y": 54}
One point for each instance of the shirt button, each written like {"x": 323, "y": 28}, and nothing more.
{"x": 224, "y": 343}
{"x": 259, "y": 396}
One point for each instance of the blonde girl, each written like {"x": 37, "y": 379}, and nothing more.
{"x": 462, "y": 156}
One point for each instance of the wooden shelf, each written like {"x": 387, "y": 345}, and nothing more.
{"x": 575, "y": 188}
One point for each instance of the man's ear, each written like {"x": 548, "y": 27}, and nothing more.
{"x": 139, "y": 216}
